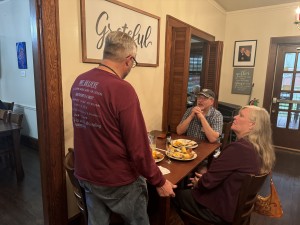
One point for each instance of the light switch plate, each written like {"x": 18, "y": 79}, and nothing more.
{"x": 23, "y": 73}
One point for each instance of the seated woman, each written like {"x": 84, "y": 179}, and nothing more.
{"x": 214, "y": 193}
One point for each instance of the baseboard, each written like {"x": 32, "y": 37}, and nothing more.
{"x": 30, "y": 142}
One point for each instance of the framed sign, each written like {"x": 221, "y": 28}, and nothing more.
{"x": 244, "y": 53}
{"x": 242, "y": 81}
{"x": 99, "y": 17}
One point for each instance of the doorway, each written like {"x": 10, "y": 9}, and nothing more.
{"x": 284, "y": 101}
{"x": 177, "y": 68}
{"x": 195, "y": 70}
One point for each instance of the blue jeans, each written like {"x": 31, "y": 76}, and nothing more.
{"x": 129, "y": 201}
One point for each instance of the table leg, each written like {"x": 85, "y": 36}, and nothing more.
{"x": 17, "y": 155}
{"x": 164, "y": 205}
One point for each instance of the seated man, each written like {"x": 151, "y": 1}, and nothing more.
{"x": 202, "y": 121}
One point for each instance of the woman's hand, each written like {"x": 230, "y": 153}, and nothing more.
{"x": 194, "y": 180}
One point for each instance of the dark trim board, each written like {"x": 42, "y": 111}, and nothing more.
{"x": 30, "y": 142}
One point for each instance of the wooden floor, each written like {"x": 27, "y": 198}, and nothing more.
{"x": 21, "y": 204}
{"x": 286, "y": 177}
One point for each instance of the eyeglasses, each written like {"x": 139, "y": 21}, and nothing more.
{"x": 134, "y": 62}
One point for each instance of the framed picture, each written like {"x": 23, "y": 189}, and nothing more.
{"x": 242, "y": 81}
{"x": 244, "y": 53}
{"x": 100, "y": 17}
{"x": 21, "y": 55}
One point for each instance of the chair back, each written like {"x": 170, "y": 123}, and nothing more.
{"x": 3, "y": 114}
{"x": 9, "y": 105}
{"x": 247, "y": 197}
{"x": 77, "y": 189}
{"x": 226, "y": 134}
{"x": 16, "y": 118}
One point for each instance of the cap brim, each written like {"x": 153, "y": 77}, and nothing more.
{"x": 204, "y": 94}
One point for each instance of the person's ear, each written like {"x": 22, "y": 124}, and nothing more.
{"x": 252, "y": 125}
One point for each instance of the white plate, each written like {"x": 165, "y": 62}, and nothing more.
{"x": 181, "y": 159}
{"x": 161, "y": 159}
{"x": 185, "y": 142}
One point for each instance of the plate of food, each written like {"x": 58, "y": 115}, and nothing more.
{"x": 177, "y": 143}
{"x": 157, "y": 156}
{"x": 182, "y": 154}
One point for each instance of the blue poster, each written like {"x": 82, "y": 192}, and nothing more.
{"x": 21, "y": 54}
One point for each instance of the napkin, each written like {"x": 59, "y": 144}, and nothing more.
{"x": 164, "y": 170}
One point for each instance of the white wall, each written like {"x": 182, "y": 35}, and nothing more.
{"x": 15, "y": 27}
{"x": 256, "y": 24}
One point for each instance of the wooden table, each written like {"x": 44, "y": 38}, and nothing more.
{"x": 178, "y": 171}
{"x": 13, "y": 130}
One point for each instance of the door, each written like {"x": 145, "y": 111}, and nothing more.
{"x": 285, "y": 106}
{"x": 178, "y": 44}
{"x": 212, "y": 68}
{"x": 179, "y": 73}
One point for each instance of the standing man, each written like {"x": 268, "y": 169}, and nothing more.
{"x": 112, "y": 152}
{"x": 202, "y": 121}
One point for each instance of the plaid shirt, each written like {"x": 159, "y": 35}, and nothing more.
{"x": 214, "y": 119}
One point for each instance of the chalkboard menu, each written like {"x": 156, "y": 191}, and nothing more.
{"x": 242, "y": 81}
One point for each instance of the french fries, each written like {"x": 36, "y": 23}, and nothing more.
{"x": 157, "y": 155}
{"x": 181, "y": 153}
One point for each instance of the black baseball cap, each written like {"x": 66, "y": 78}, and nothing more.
{"x": 207, "y": 93}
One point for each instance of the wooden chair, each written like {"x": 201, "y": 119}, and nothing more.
{"x": 6, "y": 142}
{"x": 226, "y": 136}
{"x": 3, "y": 114}
{"x": 247, "y": 197}
{"x": 9, "y": 105}
{"x": 79, "y": 191}
{"x": 16, "y": 118}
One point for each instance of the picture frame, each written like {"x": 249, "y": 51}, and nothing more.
{"x": 242, "y": 81}
{"x": 100, "y": 17}
{"x": 244, "y": 53}
{"x": 21, "y": 55}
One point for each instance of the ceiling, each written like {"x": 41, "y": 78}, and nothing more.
{"x": 233, "y": 5}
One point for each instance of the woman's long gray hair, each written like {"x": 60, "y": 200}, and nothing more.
{"x": 261, "y": 136}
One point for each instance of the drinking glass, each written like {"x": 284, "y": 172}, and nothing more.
{"x": 168, "y": 149}
{"x": 152, "y": 142}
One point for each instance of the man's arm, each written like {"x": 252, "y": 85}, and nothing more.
{"x": 184, "y": 124}
{"x": 182, "y": 127}
{"x": 166, "y": 190}
{"x": 210, "y": 134}
{"x": 213, "y": 131}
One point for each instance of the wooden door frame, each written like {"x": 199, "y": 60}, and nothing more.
{"x": 172, "y": 22}
{"x": 48, "y": 89}
{"x": 270, "y": 76}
